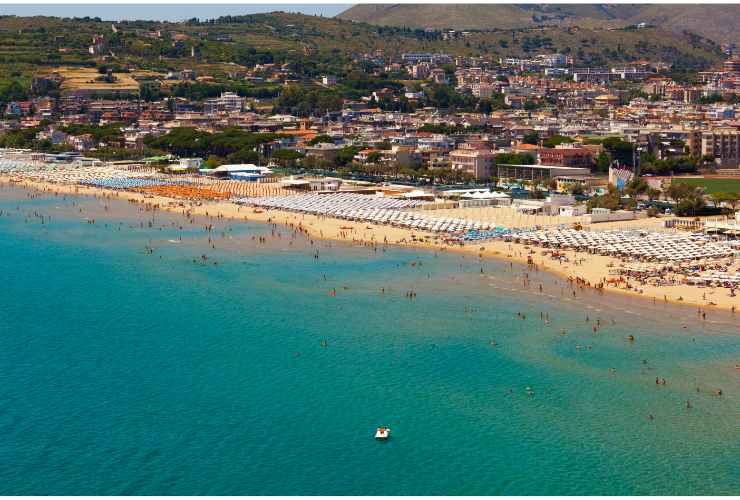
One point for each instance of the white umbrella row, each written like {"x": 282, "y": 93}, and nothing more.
{"x": 640, "y": 244}
{"x": 364, "y": 208}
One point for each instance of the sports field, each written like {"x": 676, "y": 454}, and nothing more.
{"x": 714, "y": 185}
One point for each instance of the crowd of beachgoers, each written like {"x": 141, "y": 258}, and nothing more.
{"x": 363, "y": 208}
{"x": 698, "y": 259}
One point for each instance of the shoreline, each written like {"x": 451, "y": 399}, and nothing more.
{"x": 582, "y": 270}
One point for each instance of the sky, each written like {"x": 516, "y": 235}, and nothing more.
{"x": 164, "y": 12}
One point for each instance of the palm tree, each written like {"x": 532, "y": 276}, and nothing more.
{"x": 718, "y": 198}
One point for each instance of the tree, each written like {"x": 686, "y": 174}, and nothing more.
{"x": 514, "y": 159}
{"x": 321, "y": 138}
{"x": 444, "y": 96}
{"x": 733, "y": 199}
{"x": 181, "y": 142}
{"x": 531, "y": 138}
{"x": 620, "y": 150}
{"x": 689, "y": 199}
{"x": 680, "y": 164}
{"x": 637, "y": 186}
{"x": 244, "y": 155}
{"x": 149, "y": 91}
{"x": 185, "y": 141}
{"x": 13, "y": 90}
{"x": 603, "y": 160}
{"x": 536, "y": 193}
{"x": 20, "y": 138}
{"x": 301, "y": 101}
{"x": 286, "y": 157}
{"x": 212, "y": 162}
{"x": 729, "y": 198}
{"x": 608, "y": 200}
{"x": 556, "y": 140}
{"x": 690, "y": 205}
{"x": 374, "y": 157}
{"x": 707, "y": 161}
{"x": 678, "y": 191}
{"x": 576, "y": 189}
{"x": 346, "y": 155}
{"x": 710, "y": 99}
{"x": 111, "y": 132}
{"x": 653, "y": 194}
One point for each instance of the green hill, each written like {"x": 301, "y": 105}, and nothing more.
{"x": 32, "y": 44}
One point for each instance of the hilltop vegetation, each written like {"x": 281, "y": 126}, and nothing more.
{"x": 260, "y": 38}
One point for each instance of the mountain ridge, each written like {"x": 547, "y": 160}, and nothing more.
{"x": 715, "y": 21}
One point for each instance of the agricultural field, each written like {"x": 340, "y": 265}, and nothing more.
{"x": 89, "y": 79}
{"x": 712, "y": 186}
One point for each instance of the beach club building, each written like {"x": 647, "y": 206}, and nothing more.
{"x": 241, "y": 172}
{"x": 475, "y": 197}
{"x": 506, "y": 172}
{"x": 555, "y": 204}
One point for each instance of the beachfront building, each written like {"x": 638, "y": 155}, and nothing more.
{"x": 482, "y": 199}
{"x": 566, "y": 156}
{"x": 568, "y": 183}
{"x": 572, "y": 210}
{"x": 243, "y": 172}
{"x": 476, "y": 162}
{"x": 312, "y": 184}
{"x": 552, "y": 205}
{"x": 722, "y": 144}
{"x": 471, "y": 197}
{"x": 605, "y": 215}
{"x": 506, "y": 172}
{"x": 185, "y": 165}
{"x": 323, "y": 151}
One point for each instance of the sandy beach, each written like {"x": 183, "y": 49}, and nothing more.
{"x": 580, "y": 268}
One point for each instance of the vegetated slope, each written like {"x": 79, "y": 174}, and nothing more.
{"x": 34, "y": 42}
{"x": 719, "y": 22}
{"x": 716, "y": 21}
{"x": 458, "y": 16}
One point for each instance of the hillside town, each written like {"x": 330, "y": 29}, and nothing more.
{"x": 541, "y": 124}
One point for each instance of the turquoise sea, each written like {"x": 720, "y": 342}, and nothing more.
{"x": 131, "y": 365}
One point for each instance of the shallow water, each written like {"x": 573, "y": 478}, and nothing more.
{"x": 125, "y": 370}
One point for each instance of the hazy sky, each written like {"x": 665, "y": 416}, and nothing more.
{"x": 169, "y": 12}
